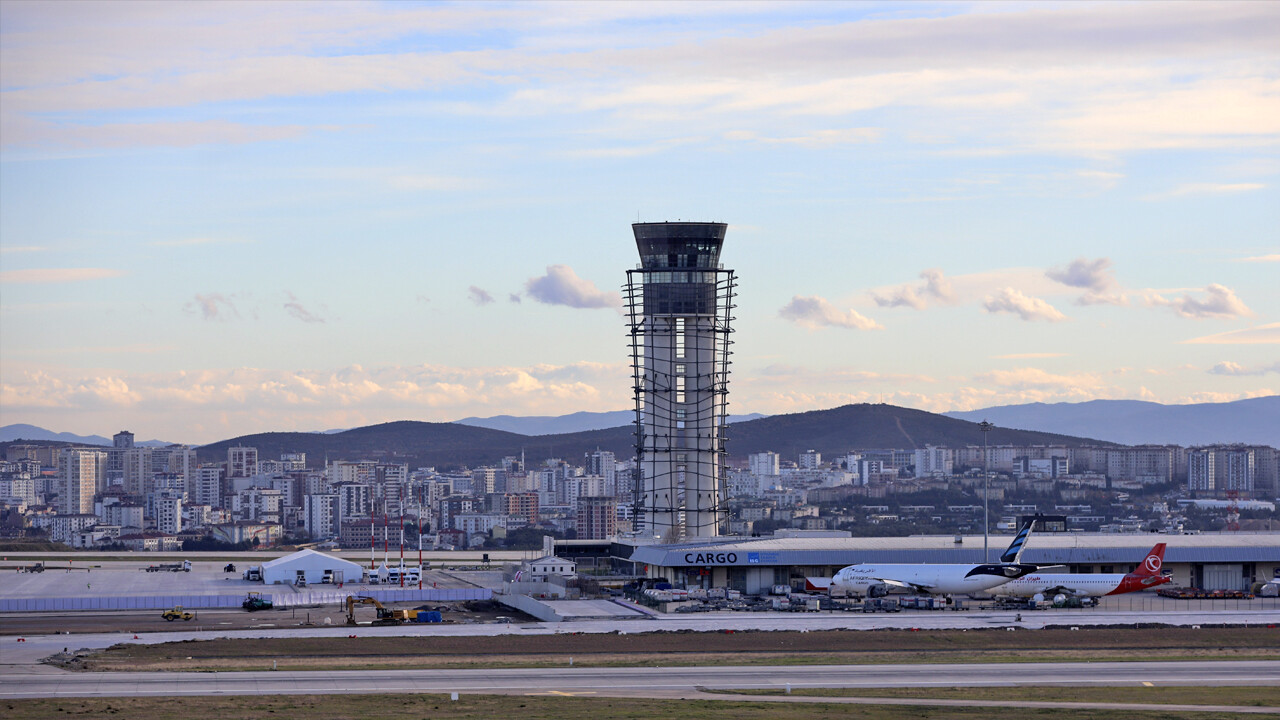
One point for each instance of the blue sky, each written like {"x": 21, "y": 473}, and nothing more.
{"x": 223, "y": 218}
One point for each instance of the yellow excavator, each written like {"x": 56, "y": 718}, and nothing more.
{"x": 384, "y": 616}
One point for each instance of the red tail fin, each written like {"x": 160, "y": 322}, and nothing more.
{"x": 1152, "y": 564}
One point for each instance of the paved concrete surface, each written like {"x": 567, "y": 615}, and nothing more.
{"x": 206, "y": 578}
{"x": 641, "y": 682}
{"x": 578, "y": 609}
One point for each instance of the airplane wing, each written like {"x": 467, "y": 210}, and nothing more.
{"x": 918, "y": 587}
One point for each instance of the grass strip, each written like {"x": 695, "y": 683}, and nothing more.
{"x": 1166, "y": 694}
{"x": 439, "y": 707}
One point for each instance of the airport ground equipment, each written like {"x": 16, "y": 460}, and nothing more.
{"x": 384, "y": 616}
{"x": 35, "y": 568}
{"x": 177, "y": 613}
{"x": 184, "y": 566}
{"x": 231, "y": 567}
{"x": 255, "y": 601}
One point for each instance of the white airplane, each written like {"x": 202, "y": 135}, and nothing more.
{"x": 1147, "y": 575}
{"x": 936, "y": 579}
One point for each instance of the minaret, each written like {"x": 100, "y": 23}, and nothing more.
{"x": 679, "y": 302}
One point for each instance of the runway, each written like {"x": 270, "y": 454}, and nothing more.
{"x": 639, "y": 682}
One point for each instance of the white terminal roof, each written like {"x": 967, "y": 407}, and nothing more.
{"x": 1041, "y": 548}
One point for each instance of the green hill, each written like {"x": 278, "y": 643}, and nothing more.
{"x": 831, "y": 432}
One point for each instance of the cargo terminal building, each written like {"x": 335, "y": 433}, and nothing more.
{"x": 1228, "y": 561}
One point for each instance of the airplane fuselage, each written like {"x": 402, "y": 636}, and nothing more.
{"x": 1080, "y": 584}
{"x": 931, "y": 579}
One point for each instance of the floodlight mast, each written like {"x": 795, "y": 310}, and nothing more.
{"x": 986, "y": 427}
{"x": 679, "y": 306}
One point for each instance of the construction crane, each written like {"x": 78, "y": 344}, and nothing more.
{"x": 385, "y": 616}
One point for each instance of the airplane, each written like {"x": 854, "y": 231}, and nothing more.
{"x": 873, "y": 580}
{"x": 1147, "y": 575}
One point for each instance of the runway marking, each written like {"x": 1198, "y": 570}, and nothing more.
{"x": 1144, "y": 682}
{"x": 562, "y": 693}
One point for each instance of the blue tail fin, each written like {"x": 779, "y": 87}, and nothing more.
{"x": 1014, "y": 553}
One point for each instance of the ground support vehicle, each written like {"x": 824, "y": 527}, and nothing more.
{"x": 255, "y": 601}
{"x": 177, "y": 613}
{"x": 184, "y": 566}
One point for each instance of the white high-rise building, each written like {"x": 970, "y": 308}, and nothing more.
{"x": 765, "y": 464}
{"x": 934, "y": 462}
{"x": 810, "y": 460}
{"x": 169, "y": 515}
{"x": 320, "y": 512}
{"x": 207, "y": 488}
{"x": 79, "y": 472}
{"x": 242, "y": 461}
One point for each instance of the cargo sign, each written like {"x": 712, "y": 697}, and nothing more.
{"x": 729, "y": 558}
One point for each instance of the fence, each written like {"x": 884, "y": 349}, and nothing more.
{"x": 162, "y": 602}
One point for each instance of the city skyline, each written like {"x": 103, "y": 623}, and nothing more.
{"x": 224, "y": 219}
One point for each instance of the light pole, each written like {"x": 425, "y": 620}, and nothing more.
{"x": 986, "y": 488}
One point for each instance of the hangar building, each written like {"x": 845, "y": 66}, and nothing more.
{"x": 311, "y": 566}
{"x": 1226, "y": 561}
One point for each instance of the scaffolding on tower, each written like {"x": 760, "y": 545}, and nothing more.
{"x": 679, "y": 303}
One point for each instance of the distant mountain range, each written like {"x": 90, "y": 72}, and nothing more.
{"x": 831, "y": 432}
{"x": 9, "y": 433}
{"x": 480, "y": 440}
{"x": 573, "y": 423}
{"x": 1133, "y": 422}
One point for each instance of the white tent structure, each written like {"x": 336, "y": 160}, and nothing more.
{"x": 310, "y": 566}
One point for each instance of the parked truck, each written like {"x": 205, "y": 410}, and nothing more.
{"x": 184, "y": 566}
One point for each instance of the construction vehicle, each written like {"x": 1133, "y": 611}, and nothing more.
{"x": 255, "y": 601}
{"x": 177, "y": 613}
{"x": 384, "y": 616}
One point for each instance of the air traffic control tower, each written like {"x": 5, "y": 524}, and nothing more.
{"x": 679, "y": 304}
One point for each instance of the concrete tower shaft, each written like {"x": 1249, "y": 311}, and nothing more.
{"x": 679, "y": 301}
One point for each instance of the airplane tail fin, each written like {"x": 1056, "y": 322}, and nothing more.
{"x": 1014, "y": 553}
{"x": 1152, "y": 564}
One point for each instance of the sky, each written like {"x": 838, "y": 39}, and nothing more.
{"x": 226, "y": 218}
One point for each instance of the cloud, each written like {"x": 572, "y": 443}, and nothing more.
{"x": 1260, "y": 335}
{"x": 1194, "y": 189}
{"x": 936, "y": 286}
{"x": 771, "y": 374}
{"x": 21, "y": 249}
{"x": 296, "y": 310}
{"x": 1028, "y": 308}
{"x": 1032, "y": 378}
{"x": 1260, "y": 259}
{"x": 240, "y": 400}
{"x": 515, "y": 298}
{"x": 814, "y": 312}
{"x": 815, "y": 139}
{"x": 28, "y": 132}
{"x": 1028, "y": 356}
{"x": 1092, "y": 275}
{"x": 479, "y": 296}
{"x": 1076, "y": 78}
{"x": 189, "y": 242}
{"x": 58, "y": 275}
{"x": 1227, "y": 367}
{"x": 214, "y": 306}
{"x": 562, "y": 286}
{"x": 1221, "y": 302}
